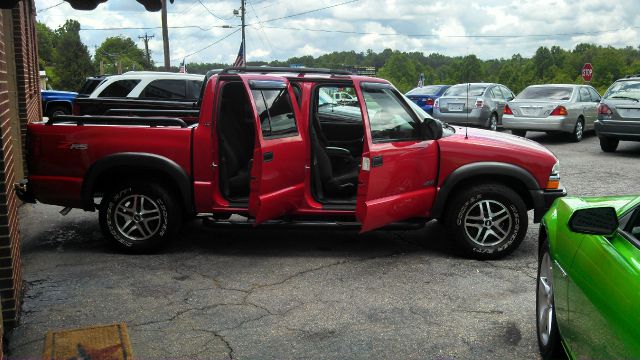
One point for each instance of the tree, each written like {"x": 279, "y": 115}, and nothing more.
{"x": 119, "y": 53}
{"x": 47, "y": 40}
{"x": 401, "y": 71}
{"x": 71, "y": 58}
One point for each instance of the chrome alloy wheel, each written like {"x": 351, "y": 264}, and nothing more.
{"x": 488, "y": 222}
{"x": 137, "y": 217}
{"x": 545, "y": 300}
{"x": 493, "y": 123}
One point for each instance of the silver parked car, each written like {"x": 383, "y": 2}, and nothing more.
{"x": 479, "y": 104}
{"x": 619, "y": 113}
{"x": 564, "y": 108}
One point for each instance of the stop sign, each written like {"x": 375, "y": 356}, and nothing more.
{"x": 587, "y": 72}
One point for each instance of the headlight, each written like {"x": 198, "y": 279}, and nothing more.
{"x": 554, "y": 178}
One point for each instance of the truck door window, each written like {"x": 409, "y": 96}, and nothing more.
{"x": 389, "y": 118}
{"x": 276, "y": 113}
{"x": 120, "y": 88}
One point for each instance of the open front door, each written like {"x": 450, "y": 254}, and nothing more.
{"x": 398, "y": 176}
{"x": 277, "y": 173}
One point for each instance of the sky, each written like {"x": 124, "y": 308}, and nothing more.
{"x": 208, "y": 31}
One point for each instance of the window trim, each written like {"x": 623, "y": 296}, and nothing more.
{"x": 293, "y": 112}
{"x": 404, "y": 105}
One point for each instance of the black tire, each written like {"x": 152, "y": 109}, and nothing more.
{"x": 547, "y": 332}
{"x": 57, "y": 110}
{"x": 608, "y": 144}
{"x": 578, "y": 131}
{"x": 521, "y": 133}
{"x": 492, "y": 122}
{"x": 467, "y": 222}
{"x": 148, "y": 217}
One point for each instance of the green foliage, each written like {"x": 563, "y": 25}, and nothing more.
{"x": 120, "y": 54}
{"x": 70, "y": 58}
{"x": 47, "y": 40}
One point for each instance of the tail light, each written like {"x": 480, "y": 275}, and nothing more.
{"x": 479, "y": 103}
{"x": 603, "y": 109}
{"x": 428, "y": 101}
{"x": 507, "y": 110}
{"x": 75, "y": 108}
{"x": 436, "y": 104}
{"x": 559, "y": 111}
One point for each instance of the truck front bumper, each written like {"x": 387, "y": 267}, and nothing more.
{"x": 24, "y": 191}
{"x": 542, "y": 200}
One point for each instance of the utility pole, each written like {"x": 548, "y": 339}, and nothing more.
{"x": 146, "y": 38}
{"x": 244, "y": 43}
{"x": 165, "y": 36}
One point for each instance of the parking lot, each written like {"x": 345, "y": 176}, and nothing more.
{"x": 267, "y": 294}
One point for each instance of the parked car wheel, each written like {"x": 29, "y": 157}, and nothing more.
{"x": 608, "y": 144}
{"x": 578, "y": 131}
{"x": 487, "y": 221}
{"x": 57, "y": 111}
{"x": 140, "y": 217}
{"x": 521, "y": 133}
{"x": 492, "y": 123}
{"x": 546, "y": 324}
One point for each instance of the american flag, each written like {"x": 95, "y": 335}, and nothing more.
{"x": 240, "y": 59}
{"x": 183, "y": 67}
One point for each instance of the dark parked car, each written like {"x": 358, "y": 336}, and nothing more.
{"x": 619, "y": 114}
{"x": 425, "y": 96}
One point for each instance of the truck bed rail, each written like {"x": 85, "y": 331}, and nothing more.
{"x": 117, "y": 120}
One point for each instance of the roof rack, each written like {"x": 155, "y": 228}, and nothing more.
{"x": 265, "y": 70}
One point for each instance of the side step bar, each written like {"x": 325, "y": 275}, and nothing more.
{"x": 305, "y": 224}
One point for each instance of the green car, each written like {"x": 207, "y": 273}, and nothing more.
{"x": 588, "y": 296}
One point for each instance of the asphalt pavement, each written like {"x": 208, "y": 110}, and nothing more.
{"x": 267, "y": 294}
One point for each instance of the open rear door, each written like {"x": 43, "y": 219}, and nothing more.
{"x": 398, "y": 176}
{"x": 277, "y": 173}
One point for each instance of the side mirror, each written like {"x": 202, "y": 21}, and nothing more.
{"x": 595, "y": 221}
{"x": 431, "y": 129}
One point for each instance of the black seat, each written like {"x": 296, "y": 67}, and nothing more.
{"x": 341, "y": 183}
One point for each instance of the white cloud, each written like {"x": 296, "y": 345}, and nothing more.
{"x": 435, "y": 26}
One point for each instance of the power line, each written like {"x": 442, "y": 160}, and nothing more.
{"x": 50, "y": 7}
{"x": 159, "y": 27}
{"x": 451, "y": 36}
{"x": 308, "y": 12}
{"x": 214, "y": 15}
{"x": 210, "y": 45}
{"x": 264, "y": 34}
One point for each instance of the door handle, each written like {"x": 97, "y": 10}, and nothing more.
{"x": 268, "y": 156}
{"x": 376, "y": 161}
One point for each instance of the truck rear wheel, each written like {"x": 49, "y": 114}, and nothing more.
{"x": 487, "y": 221}
{"x": 139, "y": 217}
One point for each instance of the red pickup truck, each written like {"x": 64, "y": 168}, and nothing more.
{"x": 273, "y": 145}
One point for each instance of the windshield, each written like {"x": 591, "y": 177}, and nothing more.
{"x": 425, "y": 90}
{"x": 629, "y": 89}
{"x": 461, "y": 90}
{"x": 546, "y": 93}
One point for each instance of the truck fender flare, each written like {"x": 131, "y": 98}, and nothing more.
{"x": 486, "y": 168}
{"x": 139, "y": 161}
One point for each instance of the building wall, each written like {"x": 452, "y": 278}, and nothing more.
{"x": 19, "y": 104}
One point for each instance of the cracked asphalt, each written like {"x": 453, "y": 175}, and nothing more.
{"x": 267, "y": 294}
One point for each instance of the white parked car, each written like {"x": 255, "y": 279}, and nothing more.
{"x": 152, "y": 85}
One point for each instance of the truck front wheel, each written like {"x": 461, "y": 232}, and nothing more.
{"x": 139, "y": 217}
{"x": 487, "y": 221}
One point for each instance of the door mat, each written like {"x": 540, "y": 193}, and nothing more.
{"x": 104, "y": 342}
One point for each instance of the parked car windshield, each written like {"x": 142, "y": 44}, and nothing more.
{"x": 546, "y": 93}
{"x": 425, "y": 90}
{"x": 624, "y": 89}
{"x": 461, "y": 90}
